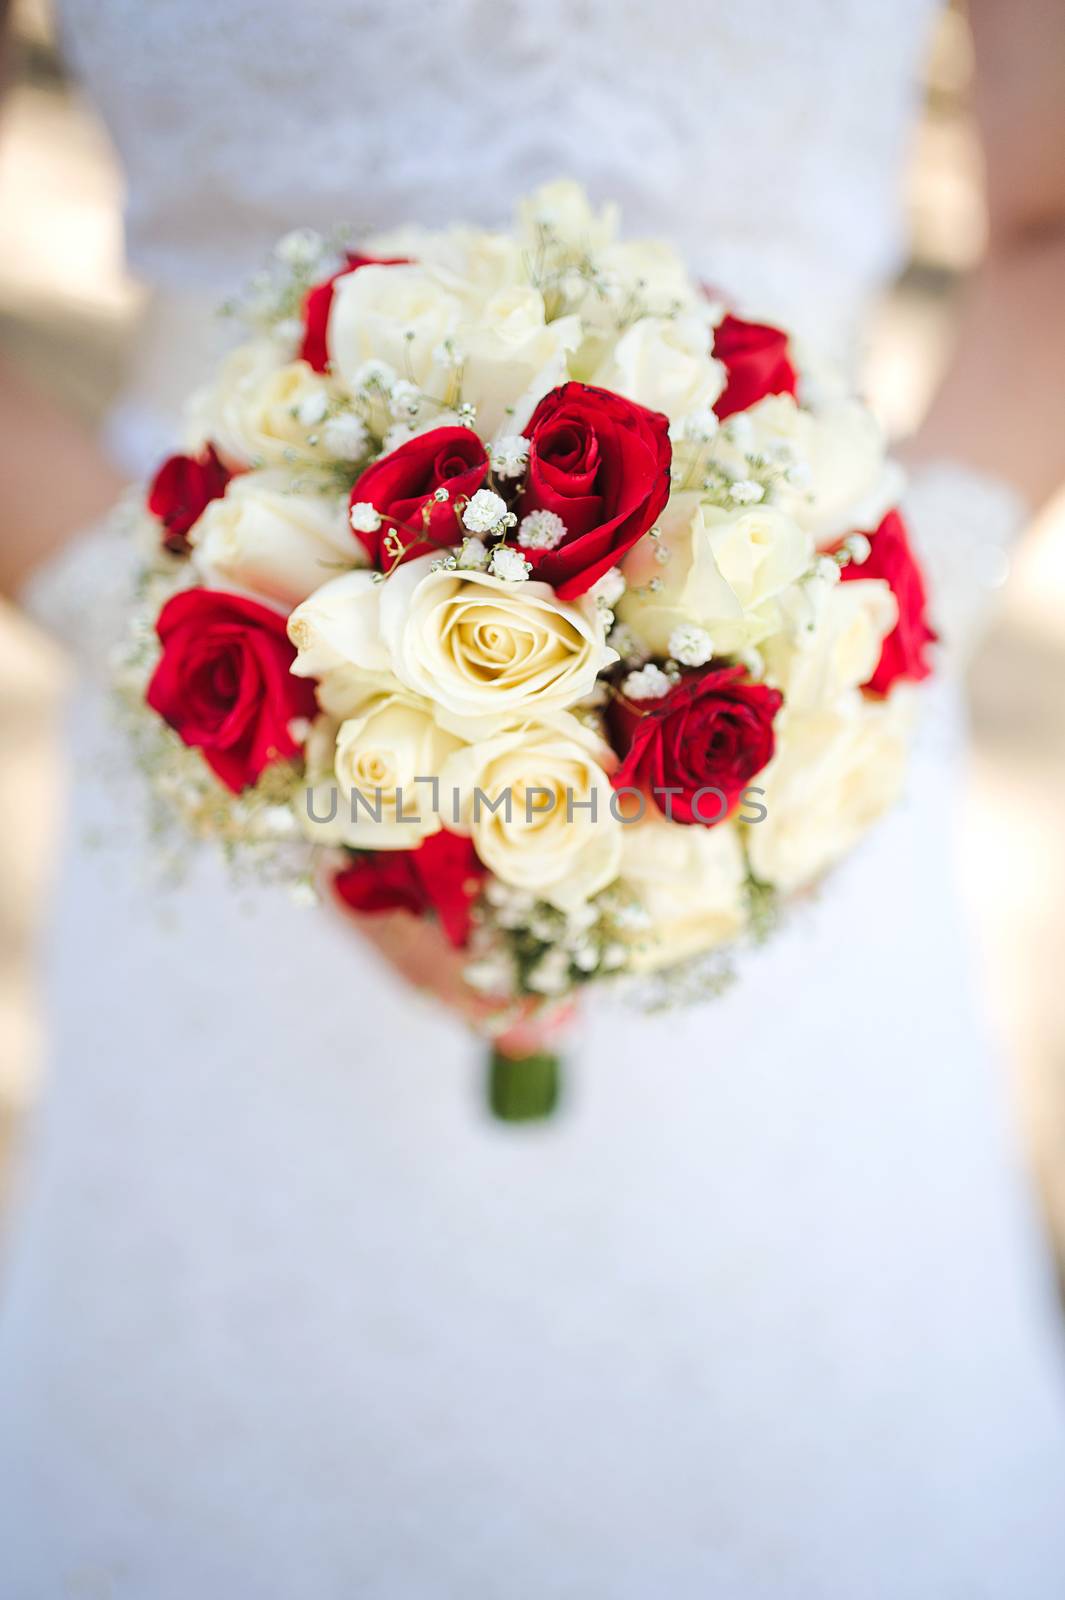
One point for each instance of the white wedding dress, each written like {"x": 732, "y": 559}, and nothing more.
{"x": 765, "y": 1311}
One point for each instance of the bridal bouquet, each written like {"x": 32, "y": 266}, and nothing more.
{"x": 509, "y": 580}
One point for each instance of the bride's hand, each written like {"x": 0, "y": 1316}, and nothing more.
{"x": 419, "y": 952}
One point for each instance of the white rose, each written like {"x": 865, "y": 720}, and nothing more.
{"x": 553, "y": 832}
{"x": 483, "y": 262}
{"x": 831, "y": 640}
{"x": 664, "y": 363}
{"x": 655, "y": 272}
{"x": 264, "y": 537}
{"x": 842, "y": 479}
{"x": 562, "y": 209}
{"x": 471, "y": 262}
{"x": 643, "y": 278}
{"x": 214, "y": 412}
{"x": 486, "y": 649}
{"x": 263, "y": 410}
{"x": 689, "y": 882}
{"x": 402, "y": 315}
{"x": 434, "y": 325}
{"x": 512, "y": 356}
{"x": 338, "y": 626}
{"x": 834, "y": 773}
{"x": 570, "y": 244}
{"x": 408, "y": 240}
{"x": 341, "y": 691}
{"x": 725, "y": 572}
{"x": 371, "y": 774}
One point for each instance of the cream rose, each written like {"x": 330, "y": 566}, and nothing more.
{"x": 725, "y": 572}
{"x": 371, "y": 769}
{"x": 830, "y": 642}
{"x": 834, "y": 773}
{"x": 263, "y": 410}
{"x": 664, "y": 363}
{"x": 264, "y": 537}
{"x": 486, "y": 649}
{"x": 552, "y": 831}
{"x": 689, "y": 881}
{"x": 342, "y": 691}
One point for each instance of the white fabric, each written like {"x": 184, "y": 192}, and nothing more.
{"x": 964, "y": 524}
{"x": 765, "y": 1312}
{"x": 763, "y": 137}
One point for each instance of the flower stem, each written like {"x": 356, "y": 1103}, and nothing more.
{"x": 523, "y": 1088}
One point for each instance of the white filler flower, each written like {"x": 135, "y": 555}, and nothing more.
{"x": 345, "y": 437}
{"x": 691, "y": 646}
{"x": 485, "y": 511}
{"x": 510, "y": 564}
{"x": 610, "y": 587}
{"x": 649, "y": 683}
{"x": 365, "y": 517}
{"x": 510, "y": 455}
{"x": 541, "y": 530}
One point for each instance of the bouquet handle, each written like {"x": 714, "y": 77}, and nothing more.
{"x": 523, "y": 1088}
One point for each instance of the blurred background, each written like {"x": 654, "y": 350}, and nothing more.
{"x": 68, "y": 315}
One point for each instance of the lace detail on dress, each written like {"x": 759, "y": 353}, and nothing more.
{"x": 964, "y": 525}
{"x": 83, "y": 596}
{"x": 766, "y": 139}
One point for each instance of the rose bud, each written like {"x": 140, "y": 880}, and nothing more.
{"x": 755, "y": 357}
{"x": 182, "y": 490}
{"x": 904, "y": 652}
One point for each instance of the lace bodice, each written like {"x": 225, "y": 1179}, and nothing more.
{"x": 765, "y": 138}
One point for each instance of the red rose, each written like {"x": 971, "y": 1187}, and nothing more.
{"x": 601, "y": 463}
{"x": 442, "y": 875}
{"x": 756, "y": 359}
{"x": 712, "y": 731}
{"x": 404, "y": 481}
{"x": 181, "y": 491}
{"x": 318, "y": 301}
{"x": 904, "y": 650}
{"x": 223, "y": 683}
